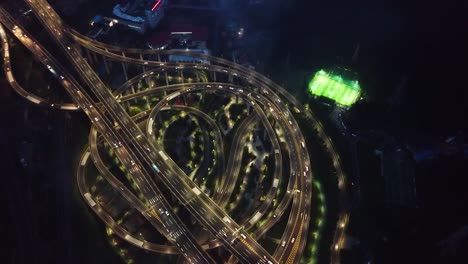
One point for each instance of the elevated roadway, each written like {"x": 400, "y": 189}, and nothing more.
{"x": 35, "y": 99}
{"x": 138, "y": 154}
{"x": 195, "y": 252}
{"x": 200, "y": 205}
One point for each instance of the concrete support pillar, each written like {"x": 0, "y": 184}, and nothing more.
{"x": 259, "y": 122}
{"x": 106, "y": 65}
{"x": 159, "y": 117}
{"x": 88, "y": 56}
{"x": 143, "y": 66}
{"x": 124, "y": 68}
{"x": 95, "y": 58}
{"x": 165, "y": 75}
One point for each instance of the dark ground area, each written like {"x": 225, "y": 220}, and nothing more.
{"x": 419, "y": 47}
{"x": 418, "y": 41}
{"x": 44, "y": 219}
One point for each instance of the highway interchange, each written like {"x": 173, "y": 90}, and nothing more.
{"x": 145, "y": 159}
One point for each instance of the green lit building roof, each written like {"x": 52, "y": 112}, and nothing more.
{"x": 343, "y": 92}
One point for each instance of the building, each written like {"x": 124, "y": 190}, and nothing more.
{"x": 140, "y": 15}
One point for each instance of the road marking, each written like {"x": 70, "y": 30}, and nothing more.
{"x": 32, "y": 99}
{"x": 170, "y": 97}
{"x": 196, "y": 191}
{"x": 134, "y": 240}
{"x": 163, "y": 155}
{"x": 68, "y": 107}
{"x": 89, "y": 199}
{"x": 275, "y": 183}
{"x": 255, "y": 218}
{"x": 154, "y": 200}
{"x": 150, "y": 126}
{"x": 85, "y": 158}
{"x": 10, "y": 76}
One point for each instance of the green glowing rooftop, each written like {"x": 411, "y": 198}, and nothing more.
{"x": 343, "y": 92}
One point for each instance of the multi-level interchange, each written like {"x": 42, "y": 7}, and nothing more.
{"x": 157, "y": 181}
